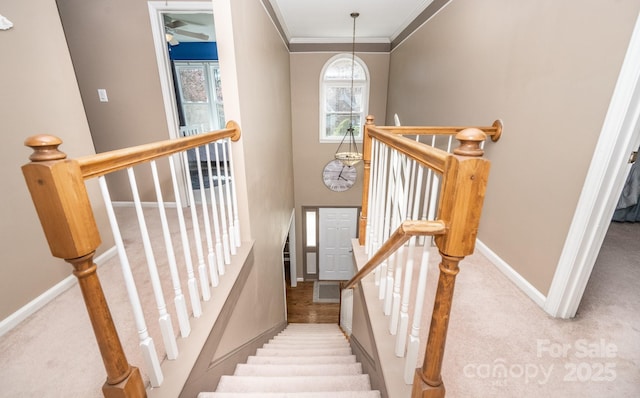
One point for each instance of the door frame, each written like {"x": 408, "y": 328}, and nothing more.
{"x": 605, "y": 180}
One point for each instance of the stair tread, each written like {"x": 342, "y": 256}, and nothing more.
{"x": 294, "y": 384}
{"x": 323, "y": 394}
{"x": 298, "y": 369}
{"x": 265, "y": 359}
{"x": 313, "y": 352}
{"x": 303, "y": 346}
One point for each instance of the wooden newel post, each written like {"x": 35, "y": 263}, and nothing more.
{"x": 61, "y": 201}
{"x": 464, "y": 184}
{"x": 366, "y": 175}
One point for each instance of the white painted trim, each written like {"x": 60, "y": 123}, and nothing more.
{"x": 504, "y": 267}
{"x": 45, "y": 298}
{"x": 605, "y": 179}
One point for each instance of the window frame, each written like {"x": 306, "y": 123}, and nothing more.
{"x": 325, "y": 84}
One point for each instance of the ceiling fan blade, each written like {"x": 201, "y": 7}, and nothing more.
{"x": 195, "y": 35}
{"x": 173, "y": 23}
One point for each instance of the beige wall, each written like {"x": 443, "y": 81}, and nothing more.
{"x": 309, "y": 155}
{"x": 38, "y": 95}
{"x": 547, "y": 68}
{"x": 262, "y": 65}
{"x": 112, "y": 48}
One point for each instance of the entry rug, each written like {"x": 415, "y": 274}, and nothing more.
{"x": 326, "y": 292}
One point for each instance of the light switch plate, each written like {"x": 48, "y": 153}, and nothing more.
{"x": 102, "y": 94}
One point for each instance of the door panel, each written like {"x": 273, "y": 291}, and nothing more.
{"x": 337, "y": 227}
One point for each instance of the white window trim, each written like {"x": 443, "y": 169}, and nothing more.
{"x": 365, "y": 100}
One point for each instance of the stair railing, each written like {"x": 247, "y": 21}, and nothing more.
{"x": 416, "y": 190}
{"x": 57, "y": 187}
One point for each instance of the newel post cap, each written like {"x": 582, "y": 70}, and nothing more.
{"x": 45, "y": 147}
{"x": 470, "y": 139}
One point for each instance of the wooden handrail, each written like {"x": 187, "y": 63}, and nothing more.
{"x": 426, "y": 155}
{"x": 399, "y": 237}
{"x": 494, "y": 131}
{"x": 107, "y": 162}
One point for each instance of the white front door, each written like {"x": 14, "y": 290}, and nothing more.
{"x": 337, "y": 227}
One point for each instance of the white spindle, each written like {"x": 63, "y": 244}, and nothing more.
{"x": 403, "y": 206}
{"x": 202, "y": 269}
{"x": 227, "y": 245}
{"x": 373, "y": 170}
{"x": 234, "y": 193}
{"x": 149, "y": 355}
{"x": 186, "y": 247}
{"x": 403, "y": 326}
{"x": 211, "y": 257}
{"x": 234, "y": 239}
{"x": 164, "y": 319}
{"x": 380, "y": 209}
{"x": 414, "y": 339}
{"x": 396, "y": 219}
{"x": 178, "y": 299}
{"x": 346, "y": 311}
{"x": 386, "y": 228}
{"x": 214, "y": 213}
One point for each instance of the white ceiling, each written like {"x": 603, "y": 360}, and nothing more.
{"x": 329, "y": 21}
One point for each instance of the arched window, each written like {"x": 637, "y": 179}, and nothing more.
{"x": 336, "y": 99}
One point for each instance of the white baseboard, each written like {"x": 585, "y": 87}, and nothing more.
{"x": 34, "y": 305}
{"x": 524, "y": 285}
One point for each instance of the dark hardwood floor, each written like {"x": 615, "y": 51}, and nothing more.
{"x": 302, "y": 309}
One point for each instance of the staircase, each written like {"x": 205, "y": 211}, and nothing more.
{"x": 305, "y": 361}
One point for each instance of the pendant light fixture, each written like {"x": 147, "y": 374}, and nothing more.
{"x": 347, "y": 151}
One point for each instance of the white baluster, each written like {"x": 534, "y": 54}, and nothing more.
{"x": 149, "y": 355}
{"x": 395, "y": 222}
{"x": 401, "y": 339}
{"x": 372, "y": 196}
{"x": 387, "y": 227}
{"x": 414, "y": 339}
{"x": 346, "y": 311}
{"x": 227, "y": 245}
{"x": 211, "y": 257}
{"x": 178, "y": 300}
{"x": 234, "y": 193}
{"x": 164, "y": 319}
{"x": 214, "y": 212}
{"x": 234, "y": 235}
{"x": 378, "y": 233}
{"x": 202, "y": 268}
{"x": 403, "y": 209}
{"x": 186, "y": 247}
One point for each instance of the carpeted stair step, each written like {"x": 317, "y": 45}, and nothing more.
{"x": 323, "y": 394}
{"x": 317, "y": 352}
{"x": 301, "y": 360}
{"x": 293, "y": 383}
{"x": 331, "y": 369}
{"x": 300, "y": 346}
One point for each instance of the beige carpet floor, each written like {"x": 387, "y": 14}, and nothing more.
{"x": 53, "y": 353}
